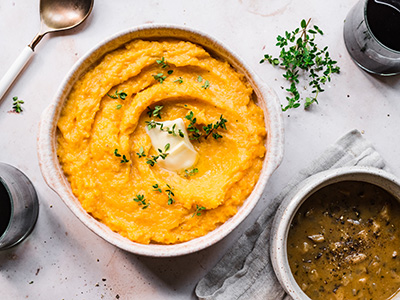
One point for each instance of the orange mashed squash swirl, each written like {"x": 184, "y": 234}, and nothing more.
{"x": 96, "y": 120}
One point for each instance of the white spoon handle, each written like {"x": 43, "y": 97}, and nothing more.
{"x": 14, "y": 70}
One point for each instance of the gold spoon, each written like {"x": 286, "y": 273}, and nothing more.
{"x": 55, "y": 15}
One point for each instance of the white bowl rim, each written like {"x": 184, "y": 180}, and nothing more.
{"x": 296, "y": 197}
{"x": 56, "y": 180}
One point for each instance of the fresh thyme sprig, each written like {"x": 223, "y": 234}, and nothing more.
{"x": 208, "y": 130}
{"x": 206, "y": 84}
{"x": 198, "y": 210}
{"x": 163, "y": 154}
{"x": 179, "y": 80}
{"x": 196, "y": 134}
{"x": 170, "y": 194}
{"x": 160, "y": 77}
{"x": 17, "y": 105}
{"x": 300, "y": 52}
{"x": 173, "y": 131}
{"x": 141, "y": 152}
{"x": 124, "y": 159}
{"x": 156, "y": 188}
{"x": 162, "y": 62}
{"x": 156, "y": 112}
{"x": 122, "y": 95}
{"x": 191, "y": 172}
{"x": 141, "y": 201}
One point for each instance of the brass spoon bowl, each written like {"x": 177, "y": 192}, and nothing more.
{"x": 61, "y": 15}
{"x": 55, "y": 15}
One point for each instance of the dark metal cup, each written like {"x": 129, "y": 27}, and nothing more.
{"x": 369, "y": 29}
{"x": 19, "y": 206}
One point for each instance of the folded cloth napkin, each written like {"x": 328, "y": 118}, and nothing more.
{"x": 246, "y": 272}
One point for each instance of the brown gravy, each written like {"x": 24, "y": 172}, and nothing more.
{"x": 344, "y": 243}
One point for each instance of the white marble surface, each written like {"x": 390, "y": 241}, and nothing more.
{"x": 62, "y": 259}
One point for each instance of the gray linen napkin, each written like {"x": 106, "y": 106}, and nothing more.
{"x": 245, "y": 272}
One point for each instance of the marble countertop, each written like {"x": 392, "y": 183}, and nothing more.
{"x": 62, "y": 259}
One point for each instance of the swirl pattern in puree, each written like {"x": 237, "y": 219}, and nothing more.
{"x": 95, "y": 121}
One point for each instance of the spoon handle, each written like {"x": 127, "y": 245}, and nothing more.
{"x": 14, "y": 70}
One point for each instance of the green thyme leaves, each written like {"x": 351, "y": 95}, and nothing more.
{"x": 196, "y": 134}
{"x": 191, "y": 172}
{"x": 179, "y": 80}
{"x": 157, "y": 188}
{"x": 211, "y": 127}
{"x": 122, "y": 95}
{"x": 162, "y": 62}
{"x": 17, "y": 105}
{"x": 207, "y": 130}
{"x": 198, "y": 210}
{"x": 141, "y": 201}
{"x": 162, "y": 154}
{"x": 301, "y": 55}
{"x": 160, "y": 77}
{"x": 206, "y": 84}
{"x": 170, "y": 195}
{"x": 170, "y": 130}
{"x": 168, "y": 191}
{"x": 141, "y": 153}
{"x": 124, "y": 159}
{"x": 156, "y": 112}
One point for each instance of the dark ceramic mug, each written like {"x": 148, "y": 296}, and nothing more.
{"x": 19, "y": 206}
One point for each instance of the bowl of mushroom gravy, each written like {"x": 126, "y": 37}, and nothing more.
{"x": 337, "y": 236}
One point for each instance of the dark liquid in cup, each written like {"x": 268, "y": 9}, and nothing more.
{"x": 384, "y": 22}
{"x": 5, "y": 209}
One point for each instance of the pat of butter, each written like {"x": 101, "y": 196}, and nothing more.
{"x": 181, "y": 153}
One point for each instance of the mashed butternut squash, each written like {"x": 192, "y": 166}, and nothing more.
{"x": 107, "y": 110}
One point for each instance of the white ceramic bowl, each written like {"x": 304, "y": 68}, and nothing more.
{"x": 53, "y": 174}
{"x": 296, "y": 198}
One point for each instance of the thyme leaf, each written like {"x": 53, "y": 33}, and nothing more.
{"x": 162, "y": 62}
{"x": 141, "y": 201}
{"x": 17, "y": 105}
{"x": 191, "y": 172}
{"x": 198, "y": 210}
{"x": 122, "y": 95}
{"x": 141, "y": 152}
{"x": 156, "y": 112}
{"x": 163, "y": 154}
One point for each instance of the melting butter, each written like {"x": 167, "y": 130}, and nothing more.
{"x": 181, "y": 153}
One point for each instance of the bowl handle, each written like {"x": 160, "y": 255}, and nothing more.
{"x": 45, "y": 147}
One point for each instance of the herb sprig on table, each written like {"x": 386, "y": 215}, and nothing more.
{"x": 17, "y": 105}
{"x": 299, "y": 52}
